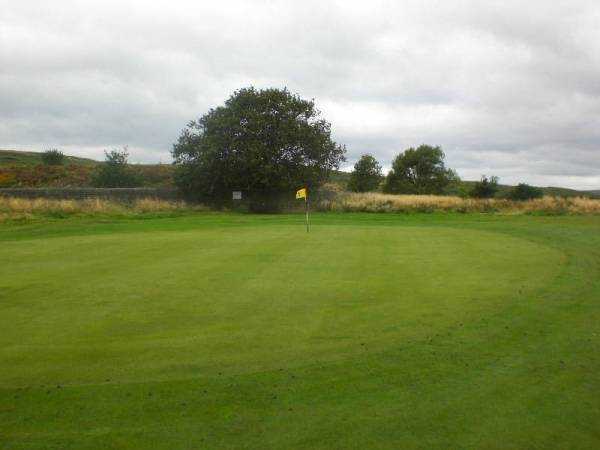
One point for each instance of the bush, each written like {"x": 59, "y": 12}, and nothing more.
{"x": 53, "y": 157}
{"x": 525, "y": 192}
{"x": 116, "y": 172}
{"x": 6, "y": 179}
{"x": 486, "y": 188}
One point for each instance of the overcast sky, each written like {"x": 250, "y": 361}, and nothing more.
{"x": 506, "y": 88}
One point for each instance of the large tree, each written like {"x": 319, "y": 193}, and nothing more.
{"x": 419, "y": 171}
{"x": 366, "y": 175}
{"x": 262, "y": 142}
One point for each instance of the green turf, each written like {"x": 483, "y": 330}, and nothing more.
{"x": 236, "y": 331}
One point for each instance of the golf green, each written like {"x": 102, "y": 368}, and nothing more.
{"x": 232, "y": 331}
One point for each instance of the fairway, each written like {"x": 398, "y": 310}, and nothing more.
{"x": 238, "y": 331}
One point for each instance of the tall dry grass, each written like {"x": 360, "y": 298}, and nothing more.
{"x": 21, "y": 208}
{"x": 376, "y": 202}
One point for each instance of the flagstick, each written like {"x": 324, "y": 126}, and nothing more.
{"x": 306, "y": 203}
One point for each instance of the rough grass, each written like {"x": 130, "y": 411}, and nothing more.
{"x": 376, "y": 202}
{"x": 25, "y": 209}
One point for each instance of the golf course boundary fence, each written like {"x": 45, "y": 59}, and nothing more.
{"x": 116, "y": 194}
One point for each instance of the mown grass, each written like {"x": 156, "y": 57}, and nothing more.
{"x": 240, "y": 331}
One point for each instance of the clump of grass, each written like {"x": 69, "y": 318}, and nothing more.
{"x": 24, "y": 209}
{"x": 376, "y": 202}
{"x": 45, "y": 206}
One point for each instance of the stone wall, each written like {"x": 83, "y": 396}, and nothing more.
{"x": 117, "y": 194}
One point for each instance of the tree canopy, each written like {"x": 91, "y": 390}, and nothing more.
{"x": 524, "y": 191}
{"x": 419, "y": 171}
{"x": 115, "y": 171}
{"x": 366, "y": 175}
{"x": 485, "y": 188}
{"x": 262, "y": 142}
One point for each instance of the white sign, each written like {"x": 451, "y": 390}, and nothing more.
{"x": 237, "y": 195}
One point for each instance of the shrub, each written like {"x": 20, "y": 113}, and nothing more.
{"x": 116, "y": 172}
{"x": 6, "y": 179}
{"x": 53, "y": 157}
{"x": 525, "y": 192}
{"x": 485, "y": 188}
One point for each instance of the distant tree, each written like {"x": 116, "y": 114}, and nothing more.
{"x": 457, "y": 188}
{"x": 524, "y": 191}
{"x": 485, "y": 188}
{"x": 419, "y": 171}
{"x": 115, "y": 171}
{"x": 263, "y": 142}
{"x": 53, "y": 157}
{"x": 366, "y": 175}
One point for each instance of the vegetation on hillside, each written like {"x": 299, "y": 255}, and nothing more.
{"x": 40, "y": 175}
{"x": 24, "y": 158}
{"x": 25, "y": 169}
{"x": 53, "y": 157}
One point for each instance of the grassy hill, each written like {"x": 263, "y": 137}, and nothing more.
{"x": 21, "y": 158}
{"x": 26, "y": 169}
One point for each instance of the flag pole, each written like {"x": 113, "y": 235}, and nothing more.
{"x": 306, "y": 203}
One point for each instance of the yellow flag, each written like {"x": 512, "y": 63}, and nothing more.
{"x": 301, "y": 193}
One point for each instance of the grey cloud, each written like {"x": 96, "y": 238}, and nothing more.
{"x": 507, "y": 88}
